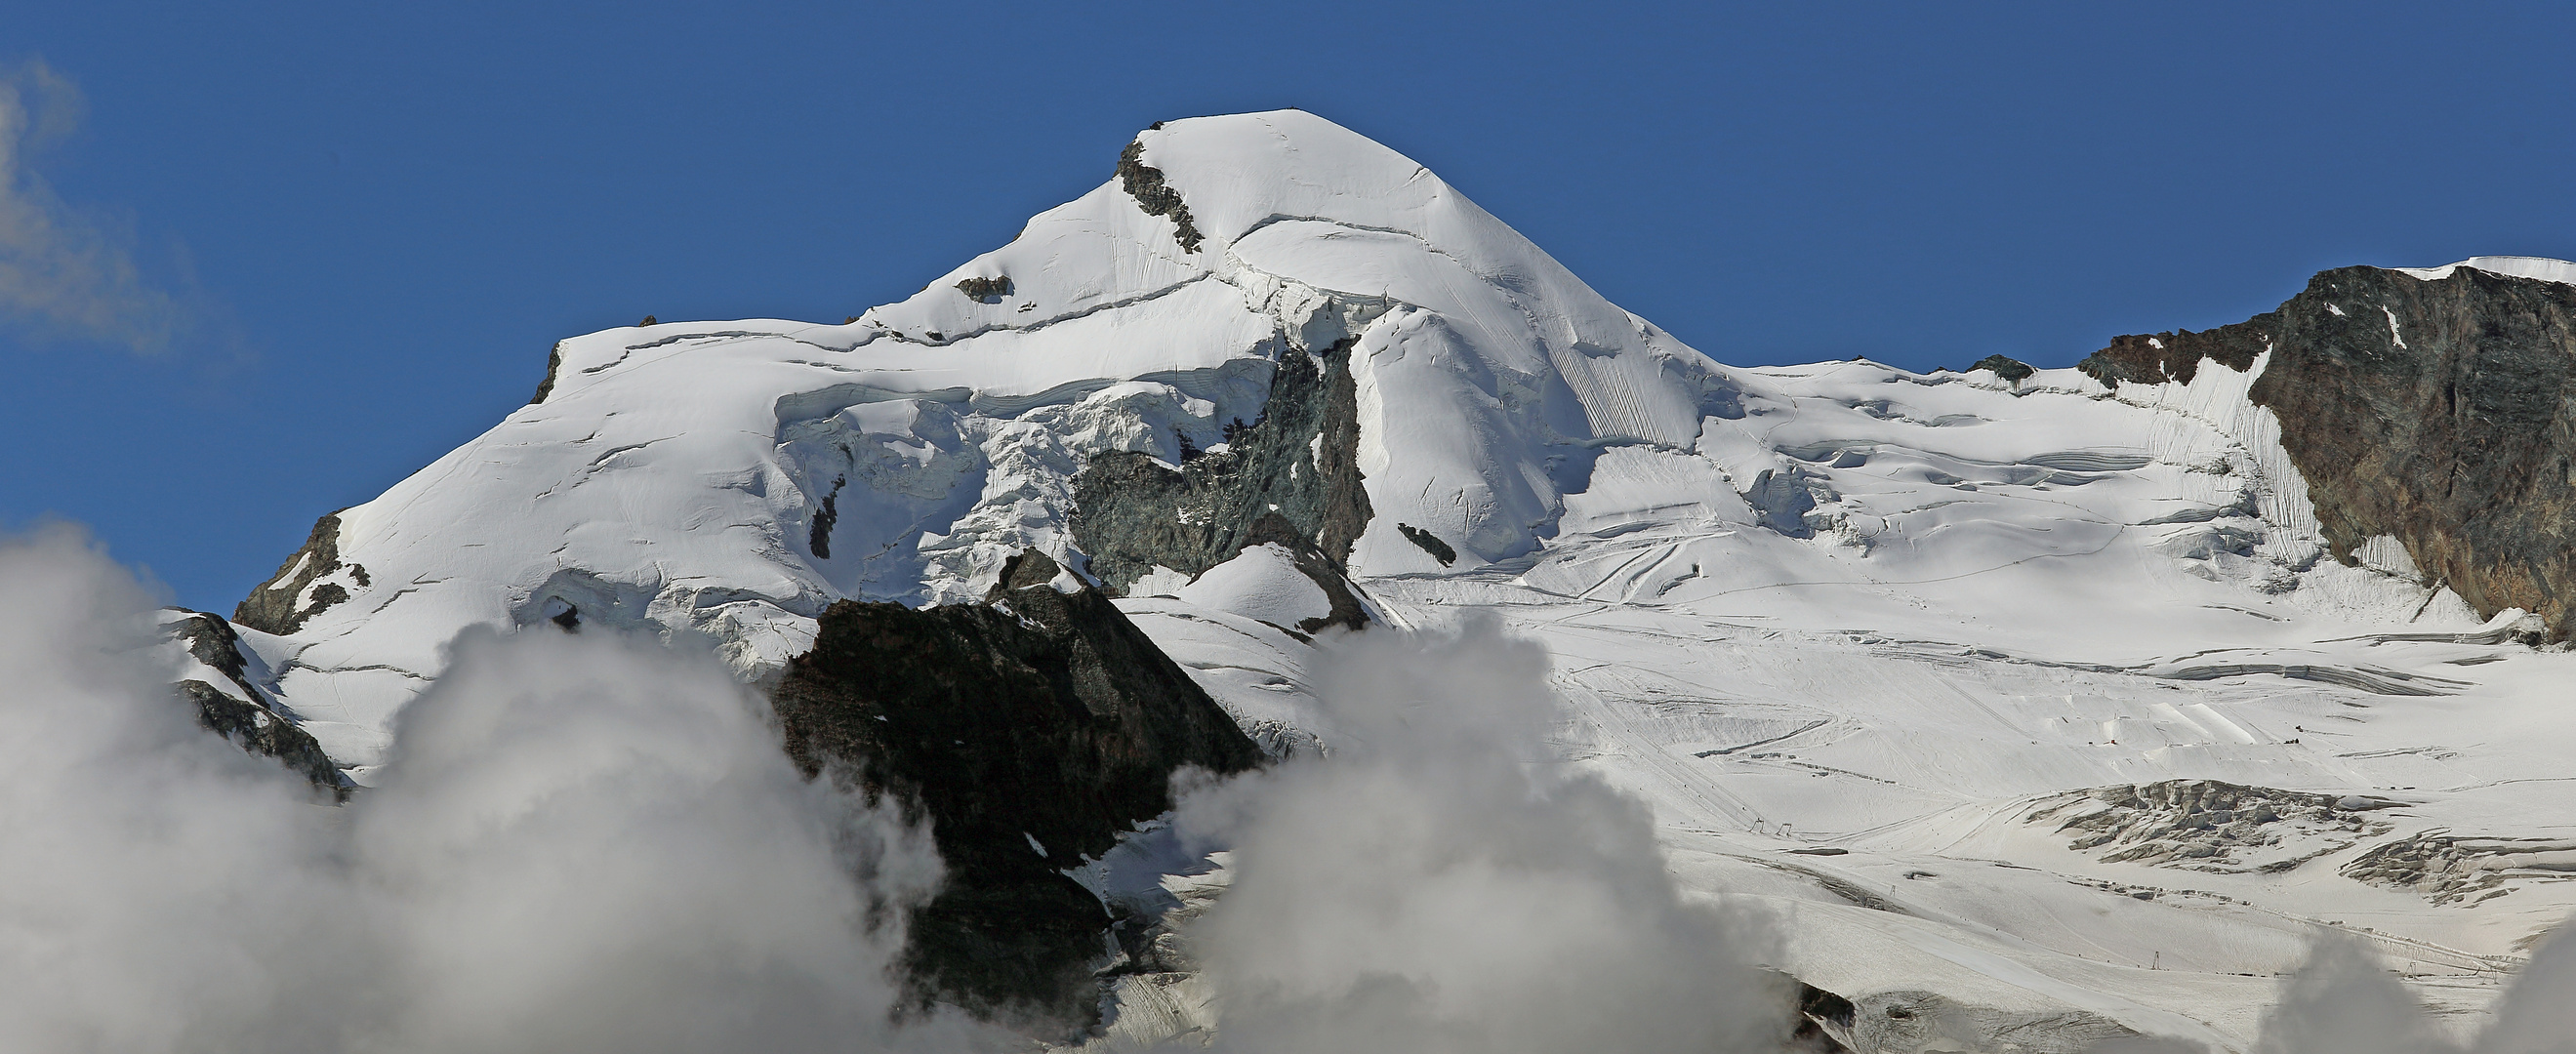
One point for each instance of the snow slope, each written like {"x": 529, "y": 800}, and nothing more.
{"x": 1831, "y": 607}
{"x": 674, "y": 474}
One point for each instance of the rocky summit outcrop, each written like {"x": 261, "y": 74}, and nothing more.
{"x": 303, "y": 586}
{"x": 2440, "y": 411}
{"x": 1029, "y": 730}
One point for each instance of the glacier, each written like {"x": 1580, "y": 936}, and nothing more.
{"x": 1881, "y": 649}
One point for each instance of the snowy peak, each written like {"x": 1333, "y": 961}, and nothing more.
{"x": 1270, "y": 378}
{"x": 1315, "y": 225}
{"x": 732, "y": 479}
{"x": 1286, "y": 222}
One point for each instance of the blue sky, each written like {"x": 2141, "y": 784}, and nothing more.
{"x": 259, "y": 262}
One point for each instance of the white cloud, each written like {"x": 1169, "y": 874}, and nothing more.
{"x": 1432, "y": 888}
{"x": 583, "y": 844}
{"x": 2344, "y": 1001}
{"x": 587, "y": 843}
{"x": 67, "y": 271}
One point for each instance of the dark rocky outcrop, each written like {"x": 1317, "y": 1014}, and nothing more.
{"x": 986, "y": 290}
{"x": 211, "y": 640}
{"x": 254, "y": 726}
{"x": 554, "y": 365}
{"x": 255, "y": 729}
{"x": 818, "y": 534}
{"x": 1029, "y": 730}
{"x": 2176, "y": 356}
{"x": 1298, "y": 465}
{"x": 1429, "y": 543}
{"x": 272, "y": 605}
{"x": 1145, "y": 183}
{"x": 2010, "y": 369}
{"x": 2440, "y": 412}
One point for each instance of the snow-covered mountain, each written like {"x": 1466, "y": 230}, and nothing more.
{"x": 2048, "y": 697}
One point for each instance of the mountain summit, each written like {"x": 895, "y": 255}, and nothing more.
{"x": 2053, "y": 704}
{"x": 733, "y": 479}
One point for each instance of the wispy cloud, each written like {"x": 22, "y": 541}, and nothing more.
{"x": 66, "y": 271}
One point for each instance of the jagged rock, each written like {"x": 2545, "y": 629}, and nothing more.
{"x": 251, "y": 723}
{"x": 554, "y": 365}
{"x": 2450, "y": 869}
{"x": 2176, "y": 356}
{"x": 283, "y": 603}
{"x": 1145, "y": 183}
{"x": 1030, "y": 730}
{"x": 986, "y": 290}
{"x": 2209, "y": 825}
{"x": 2439, "y": 411}
{"x": 2009, "y": 369}
{"x": 1298, "y": 466}
{"x": 1428, "y": 543}
{"x": 253, "y": 728}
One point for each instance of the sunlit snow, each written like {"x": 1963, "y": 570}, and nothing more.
{"x": 1951, "y": 602}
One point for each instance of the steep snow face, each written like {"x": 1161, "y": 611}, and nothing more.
{"x": 1487, "y": 371}
{"x": 732, "y": 479}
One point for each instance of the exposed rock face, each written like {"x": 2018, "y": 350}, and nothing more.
{"x": 2211, "y": 825}
{"x": 1145, "y": 183}
{"x": 1293, "y": 477}
{"x": 1429, "y": 543}
{"x": 554, "y": 365}
{"x": 1030, "y": 730}
{"x": 2176, "y": 356}
{"x": 253, "y": 726}
{"x": 986, "y": 290}
{"x": 2010, "y": 369}
{"x": 297, "y": 592}
{"x": 2441, "y": 412}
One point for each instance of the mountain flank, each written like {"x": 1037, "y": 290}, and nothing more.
{"x": 2439, "y": 411}
{"x": 1030, "y": 730}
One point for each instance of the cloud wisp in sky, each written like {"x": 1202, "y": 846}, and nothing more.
{"x": 65, "y": 271}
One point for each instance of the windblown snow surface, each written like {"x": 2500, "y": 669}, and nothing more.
{"x": 1866, "y": 641}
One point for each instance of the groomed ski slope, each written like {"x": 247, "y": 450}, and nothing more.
{"x": 1830, "y": 607}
